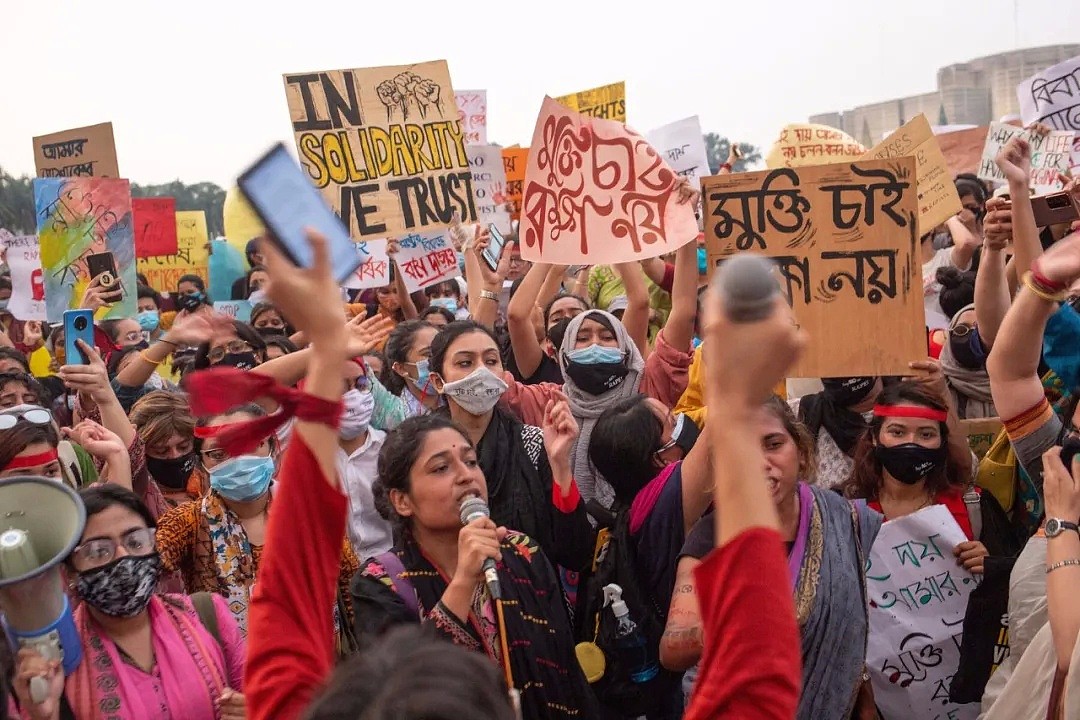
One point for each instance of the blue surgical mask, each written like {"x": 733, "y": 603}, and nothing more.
{"x": 702, "y": 261}
{"x": 423, "y": 375}
{"x": 148, "y": 320}
{"x": 243, "y": 478}
{"x": 448, "y": 303}
{"x": 4, "y": 304}
{"x": 595, "y": 355}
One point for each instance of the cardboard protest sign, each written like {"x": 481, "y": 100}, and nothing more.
{"x": 607, "y": 102}
{"x": 845, "y": 240}
{"x": 918, "y": 597}
{"x": 803, "y": 144}
{"x": 426, "y": 258}
{"x": 77, "y": 217}
{"x": 597, "y": 193}
{"x": 191, "y": 257}
{"x": 938, "y": 200}
{"x": 155, "y": 226}
{"x": 981, "y": 433}
{"x": 23, "y": 256}
{"x": 384, "y": 145}
{"x": 682, "y": 145}
{"x": 234, "y": 309}
{"x": 489, "y": 185}
{"x": 79, "y": 152}
{"x": 472, "y": 112}
{"x": 1052, "y": 96}
{"x": 963, "y": 149}
{"x": 1050, "y": 154}
{"x": 374, "y": 271}
{"x": 515, "y": 162}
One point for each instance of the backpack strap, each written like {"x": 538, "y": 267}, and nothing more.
{"x": 974, "y": 510}
{"x": 599, "y": 513}
{"x": 204, "y": 608}
{"x": 402, "y": 586}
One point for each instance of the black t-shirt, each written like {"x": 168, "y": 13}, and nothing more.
{"x": 547, "y": 371}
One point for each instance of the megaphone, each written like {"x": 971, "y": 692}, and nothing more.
{"x": 41, "y": 521}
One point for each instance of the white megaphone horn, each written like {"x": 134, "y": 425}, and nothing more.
{"x": 41, "y": 521}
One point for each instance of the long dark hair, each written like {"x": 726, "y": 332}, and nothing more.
{"x": 623, "y": 444}
{"x": 446, "y": 337}
{"x": 396, "y": 350}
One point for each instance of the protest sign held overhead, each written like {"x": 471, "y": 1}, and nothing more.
{"x": 489, "y": 185}
{"x": 515, "y": 162}
{"x": 472, "y": 111}
{"x": 597, "y": 193}
{"x": 23, "y": 256}
{"x": 192, "y": 254}
{"x": 155, "y": 226}
{"x": 1050, "y": 154}
{"x": 938, "y": 200}
{"x": 607, "y": 102}
{"x": 239, "y": 310}
{"x": 384, "y": 145}
{"x": 803, "y": 144}
{"x": 426, "y": 258}
{"x": 682, "y": 145}
{"x": 374, "y": 270}
{"x": 79, "y": 152}
{"x": 845, "y": 239}
{"x": 78, "y": 217}
{"x": 1052, "y": 96}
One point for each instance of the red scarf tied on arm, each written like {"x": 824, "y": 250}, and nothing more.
{"x": 219, "y": 390}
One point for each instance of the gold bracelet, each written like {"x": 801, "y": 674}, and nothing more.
{"x": 488, "y": 295}
{"x": 1040, "y": 292}
{"x": 1064, "y": 563}
{"x": 155, "y": 363}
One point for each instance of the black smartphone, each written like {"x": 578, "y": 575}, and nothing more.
{"x": 1069, "y": 449}
{"x": 494, "y": 250}
{"x": 287, "y": 203}
{"x": 103, "y": 267}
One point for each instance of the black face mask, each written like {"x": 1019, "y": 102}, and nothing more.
{"x": 271, "y": 331}
{"x": 597, "y": 378}
{"x": 967, "y": 351}
{"x": 173, "y": 473}
{"x": 845, "y": 392}
{"x": 190, "y": 303}
{"x": 240, "y": 361}
{"x": 685, "y": 434}
{"x": 909, "y": 463}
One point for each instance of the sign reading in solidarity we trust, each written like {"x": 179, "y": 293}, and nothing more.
{"x": 384, "y": 145}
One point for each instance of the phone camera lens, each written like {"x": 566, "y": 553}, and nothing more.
{"x": 80, "y": 323}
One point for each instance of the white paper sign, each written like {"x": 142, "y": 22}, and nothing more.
{"x": 1050, "y": 154}
{"x": 1052, "y": 96}
{"x": 682, "y": 146}
{"x": 239, "y": 310}
{"x": 918, "y": 598}
{"x": 427, "y": 258}
{"x": 472, "y": 110}
{"x": 374, "y": 271}
{"x": 27, "y": 286}
{"x": 489, "y": 185}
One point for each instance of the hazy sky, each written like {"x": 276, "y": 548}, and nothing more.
{"x": 194, "y": 89}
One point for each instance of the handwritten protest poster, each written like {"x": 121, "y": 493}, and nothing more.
{"x": 80, "y": 152}
{"x": 374, "y": 270}
{"x": 597, "y": 193}
{"x": 981, "y": 433}
{"x": 426, "y": 258}
{"x": 239, "y": 310}
{"x": 938, "y": 200}
{"x": 77, "y": 217}
{"x": 1050, "y": 154}
{"x": 803, "y": 144}
{"x": 23, "y": 257}
{"x": 191, "y": 258}
{"x": 918, "y": 597}
{"x": 515, "y": 162}
{"x": 607, "y": 102}
{"x": 384, "y": 145}
{"x": 155, "y": 226}
{"x": 682, "y": 146}
{"x": 845, "y": 240}
{"x": 489, "y": 185}
{"x": 472, "y": 112}
{"x": 1052, "y": 96}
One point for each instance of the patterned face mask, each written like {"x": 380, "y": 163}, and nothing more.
{"x": 123, "y": 587}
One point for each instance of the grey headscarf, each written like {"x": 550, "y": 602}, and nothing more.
{"x": 970, "y": 388}
{"x": 587, "y": 408}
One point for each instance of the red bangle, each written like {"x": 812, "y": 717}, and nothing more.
{"x": 726, "y": 166}
{"x": 1044, "y": 281}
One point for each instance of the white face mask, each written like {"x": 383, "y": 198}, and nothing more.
{"x": 477, "y": 393}
{"x": 357, "y": 415}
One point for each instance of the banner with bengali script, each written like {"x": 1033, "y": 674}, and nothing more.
{"x": 1052, "y": 96}
{"x": 682, "y": 145}
{"x": 374, "y": 269}
{"x": 79, "y": 152}
{"x": 803, "y": 144}
{"x": 472, "y": 112}
{"x": 426, "y": 259}
{"x": 192, "y": 256}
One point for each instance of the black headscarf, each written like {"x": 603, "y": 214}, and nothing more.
{"x": 831, "y": 409}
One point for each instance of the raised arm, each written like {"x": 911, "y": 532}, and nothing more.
{"x": 1015, "y": 161}
{"x": 679, "y": 329}
{"x": 485, "y": 305}
{"x": 527, "y": 351}
{"x": 964, "y": 243}
{"x": 992, "y": 297}
{"x": 91, "y": 381}
{"x": 188, "y": 330}
{"x": 408, "y": 306}
{"x": 1062, "y": 490}
{"x": 636, "y": 317}
{"x": 680, "y": 645}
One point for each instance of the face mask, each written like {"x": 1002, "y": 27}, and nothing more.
{"x": 595, "y": 355}
{"x": 967, "y": 350}
{"x": 685, "y": 433}
{"x": 240, "y": 361}
{"x": 478, "y": 393}
{"x": 243, "y": 478}
{"x": 596, "y": 369}
{"x": 257, "y": 296}
{"x": 173, "y": 473}
{"x": 123, "y": 587}
{"x": 423, "y": 375}
{"x": 357, "y": 415}
{"x": 148, "y": 320}
{"x": 448, "y": 303}
{"x": 702, "y": 261}
{"x": 190, "y": 303}
{"x": 4, "y": 304}
{"x": 909, "y": 463}
{"x": 845, "y": 392}
{"x": 270, "y": 331}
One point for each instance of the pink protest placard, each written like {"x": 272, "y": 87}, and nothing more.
{"x": 597, "y": 193}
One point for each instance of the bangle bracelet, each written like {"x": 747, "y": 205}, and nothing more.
{"x": 488, "y": 295}
{"x": 168, "y": 342}
{"x": 155, "y": 363}
{"x": 1039, "y": 291}
{"x": 1064, "y": 563}
{"x": 1044, "y": 281}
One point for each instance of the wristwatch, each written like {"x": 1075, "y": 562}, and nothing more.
{"x": 1055, "y": 527}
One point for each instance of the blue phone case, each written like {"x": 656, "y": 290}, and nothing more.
{"x": 78, "y": 325}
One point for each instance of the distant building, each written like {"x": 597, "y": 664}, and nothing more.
{"x": 971, "y": 93}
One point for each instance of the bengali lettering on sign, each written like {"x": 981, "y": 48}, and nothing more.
{"x": 1050, "y": 154}
{"x": 79, "y": 152}
{"x": 607, "y": 102}
{"x": 515, "y": 162}
{"x": 845, "y": 240}
{"x": 374, "y": 268}
{"x": 472, "y": 111}
{"x": 384, "y": 145}
{"x": 23, "y": 256}
{"x": 682, "y": 146}
{"x": 1052, "y": 96}
{"x": 918, "y": 598}
{"x": 155, "y": 226}
{"x": 426, "y": 258}
{"x": 192, "y": 255}
{"x": 803, "y": 144}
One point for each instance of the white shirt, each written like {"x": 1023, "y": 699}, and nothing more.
{"x": 369, "y": 534}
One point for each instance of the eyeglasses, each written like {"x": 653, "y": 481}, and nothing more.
{"x": 962, "y": 330}
{"x": 101, "y": 551}
{"x": 232, "y": 348}
{"x": 33, "y": 415}
{"x": 134, "y": 336}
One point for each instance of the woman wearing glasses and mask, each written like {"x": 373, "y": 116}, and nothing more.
{"x": 145, "y": 655}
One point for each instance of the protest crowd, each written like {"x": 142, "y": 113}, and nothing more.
{"x": 554, "y": 445}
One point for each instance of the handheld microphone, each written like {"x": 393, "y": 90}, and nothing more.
{"x": 747, "y": 287}
{"x": 472, "y": 508}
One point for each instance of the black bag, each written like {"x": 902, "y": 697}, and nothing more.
{"x": 986, "y": 631}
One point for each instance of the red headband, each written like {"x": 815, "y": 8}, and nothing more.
{"x": 910, "y": 411}
{"x": 26, "y": 461}
{"x": 217, "y": 390}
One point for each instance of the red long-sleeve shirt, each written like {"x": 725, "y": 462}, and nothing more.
{"x": 751, "y": 664}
